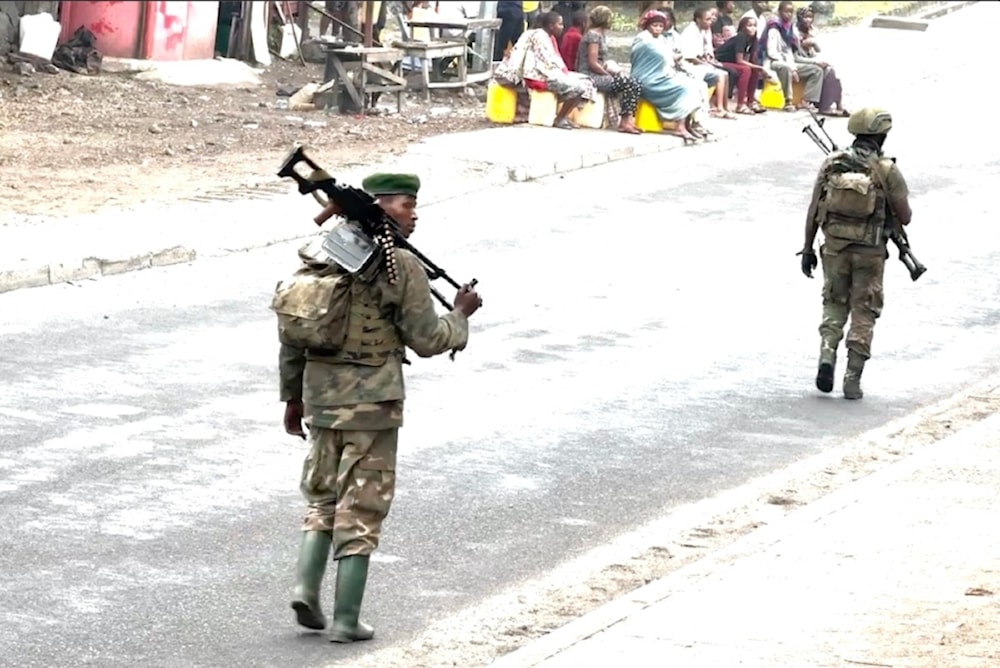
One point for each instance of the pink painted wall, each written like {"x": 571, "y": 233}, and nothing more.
{"x": 180, "y": 30}
{"x": 184, "y": 30}
{"x": 116, "y": 25}
{"x": 203, "y": 21}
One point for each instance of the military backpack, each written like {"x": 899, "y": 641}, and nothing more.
{"x": 853, "y": 205}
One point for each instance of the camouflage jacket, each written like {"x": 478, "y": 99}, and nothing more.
{"x": 895, "y": 188}
{"x": 358, "y": 397}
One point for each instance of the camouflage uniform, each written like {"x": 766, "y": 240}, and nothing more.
{"x": 852, "y": 272}
{"x": 353, "y": 405}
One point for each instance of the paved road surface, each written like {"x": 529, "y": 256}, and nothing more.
{"x": 647, "y": 341}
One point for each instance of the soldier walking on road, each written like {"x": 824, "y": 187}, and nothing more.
{"x": 858, "y": 197}
{"x": 351, "y": 395}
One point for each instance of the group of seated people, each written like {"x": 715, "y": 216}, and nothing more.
{"x": 675, "y": 71}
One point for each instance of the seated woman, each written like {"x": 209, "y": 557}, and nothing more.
{"x": 535, "y": 60}
{"x": 736, "y": 55}
{"x": 672, "y": 40}
{"x": 676, "y": 96}
{"x": 699, "y": 55}
{"x": 592, "y": 60}
{"x": 831, "y": 98}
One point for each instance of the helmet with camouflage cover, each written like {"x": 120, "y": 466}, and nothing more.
{"x": 869, "y": 121}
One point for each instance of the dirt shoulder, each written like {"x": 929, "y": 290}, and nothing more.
{"x": 79, "y": 144}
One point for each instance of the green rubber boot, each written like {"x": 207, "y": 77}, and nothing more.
{"x": 313, "y": 557}
{"x": 352, "y": 574}
{"x": 852, "y": 378}
{"x": 827, "y": 363}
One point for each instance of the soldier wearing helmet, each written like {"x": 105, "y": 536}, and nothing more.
{"x": 858, "y": 195}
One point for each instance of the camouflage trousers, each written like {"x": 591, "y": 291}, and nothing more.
{"x": 852, "y": 286}
{"x": 348, "y": 481}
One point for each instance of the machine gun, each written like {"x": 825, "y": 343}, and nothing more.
{"x": 897, "y": 234}
{"x": 354, "y": 244}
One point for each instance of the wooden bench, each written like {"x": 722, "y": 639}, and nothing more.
{"x": 368, "y": 61}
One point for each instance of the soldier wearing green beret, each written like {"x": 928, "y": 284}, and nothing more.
{"x": 352, "y": 400}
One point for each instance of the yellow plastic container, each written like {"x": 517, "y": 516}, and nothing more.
{"x": 771, "y": 95}
{"x": 542, "y": 108}
{"x": 501, "y": 103}
{"x": 591, "y": 114}
{"x": 646, "y": 118}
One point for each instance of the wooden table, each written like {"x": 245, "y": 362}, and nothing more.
{"x": 370, "y": 61}
{"x": 451, "y": 47}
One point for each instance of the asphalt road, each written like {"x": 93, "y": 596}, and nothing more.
{"x": 647, "y": 341}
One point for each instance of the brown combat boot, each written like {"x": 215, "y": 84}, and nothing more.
{"x": 827, "y": 363}
{"x": 352, "y": 574}
{"x": 852, "y": 377}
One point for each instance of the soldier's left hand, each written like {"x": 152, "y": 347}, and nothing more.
{"x": 293, "y": 418}
{"x": 809, "y": 262}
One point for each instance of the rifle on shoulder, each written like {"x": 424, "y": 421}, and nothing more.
{"x": 378, "y": 227}
{"x": 897, "y": 235}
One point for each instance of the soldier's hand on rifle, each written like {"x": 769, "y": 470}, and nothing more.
{"x": 809, "y": 262}
{"x": 468, "y": 300}
{"x": 293, "y": 418}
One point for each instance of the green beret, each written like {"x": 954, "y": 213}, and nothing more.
{"x": 391, "y": 184}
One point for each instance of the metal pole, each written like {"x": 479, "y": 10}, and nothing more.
{"x": 369, "y": 24}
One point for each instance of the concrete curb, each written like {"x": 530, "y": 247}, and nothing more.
{"x": 27, "y": 274}
{"x": 919, "y": 22}
{"x": 606, "y": 616}
{"x": 944, "y": 11}
{"x": 898, "y": 23}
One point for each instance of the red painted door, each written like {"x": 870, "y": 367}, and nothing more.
{"x": 117, "y": 26}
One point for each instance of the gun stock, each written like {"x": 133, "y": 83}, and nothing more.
{"x": 906, "y": 256}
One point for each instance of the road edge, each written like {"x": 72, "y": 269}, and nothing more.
{"x": 607, "y": 615}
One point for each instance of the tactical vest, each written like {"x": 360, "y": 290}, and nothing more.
{"x": 334, "y": 315}
{"x": 371, "y": 338}
{"x": 853, "y": 206}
